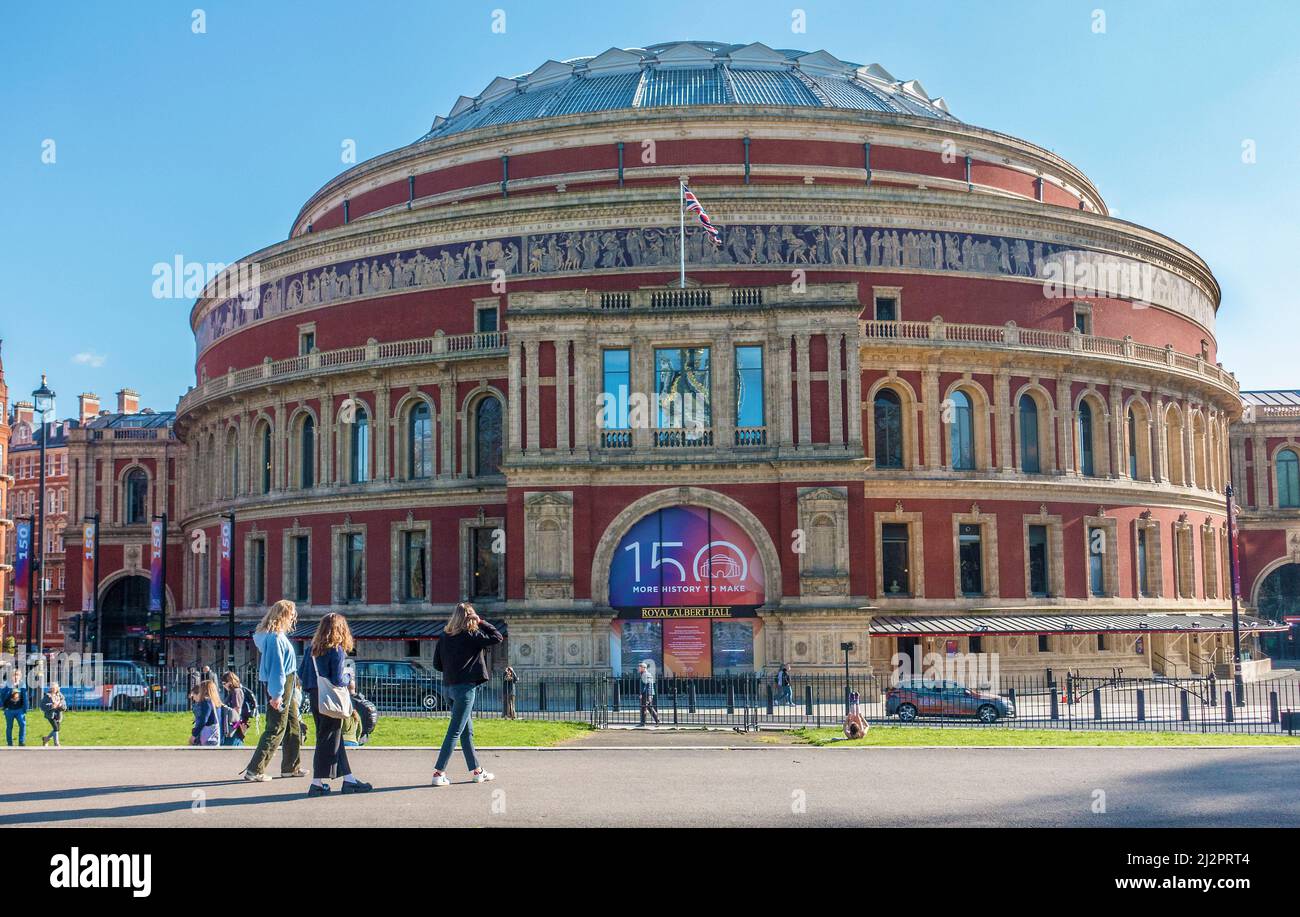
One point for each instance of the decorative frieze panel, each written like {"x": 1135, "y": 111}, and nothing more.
{"x": 824, "y": 522}
{"x": 548, "y": 545}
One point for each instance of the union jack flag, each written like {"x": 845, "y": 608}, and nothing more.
{"x": 694, "y": 206}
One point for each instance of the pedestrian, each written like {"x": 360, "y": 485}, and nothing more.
{"x": 206, "y": 701}
{"x": 278, "y": 673}
{"x": 511, "y": 680}
{"x": 15, "y": 704}
{"x": 461, "y": 658}
{"x": 784, "y": 685}
{"x": 237, "y": 711}
{"x": 647, "y": 693}
{"x": 53, "y": 705}
{"x": 328, "y": 686}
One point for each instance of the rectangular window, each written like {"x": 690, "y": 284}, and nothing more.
{"x": 975, "y": 645}
{"x": 257, "y": 571}
{"x": 1097, "y": 561}
{"x": 1082, "y": 321}
{"x": 971, "y": 560}
{"x": 413, "y": 648}
{"x": 302, "y": 568}
{"x": 895, "y": 558}
{"x": 485, "y": 582}
{"x": 616, "y": 388}
{"x": 1101, "y": 642}
{"x": 886, "y": 309}
{"x": 683, "y": 391}
{"x": 1043, "y": 646}
{"x": 306, "y": 343}
{"x": 485, "y": 320}
{"x": 1144, "y": 588}
{"x": 354, "y": 567}
{"x": 414, "y": 582}
{"x": 750, "y": 415}
{"x": 1038, "y": 578}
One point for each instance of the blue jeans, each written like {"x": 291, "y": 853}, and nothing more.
{"x": 461, "y": 727}
{"x": 21, "y": 717}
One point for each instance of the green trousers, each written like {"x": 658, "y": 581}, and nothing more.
{"x": 282, "y": 725}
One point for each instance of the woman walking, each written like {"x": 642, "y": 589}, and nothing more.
{"x": 511, "y": 681}
{"x": 278, "y": 671}
{"x": 15, "y": 706}
{"x": 237, "y": 711}
{"x": 53, "y": 705}
{"x": 322, "y": 673}
{"x": 207, "y": 714}
{"x": 461, "y": 657}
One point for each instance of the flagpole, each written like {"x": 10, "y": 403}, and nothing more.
{"x": 681, "y": 234}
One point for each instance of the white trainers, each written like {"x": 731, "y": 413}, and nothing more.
{"x": 482, "y": 776}
{"x": 256, "y": 778}
{"x": 440, "y": 780}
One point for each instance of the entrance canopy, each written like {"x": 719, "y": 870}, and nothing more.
{"x": 981, "y": 625}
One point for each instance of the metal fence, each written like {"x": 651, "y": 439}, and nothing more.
{"x": 1065, "y": 701}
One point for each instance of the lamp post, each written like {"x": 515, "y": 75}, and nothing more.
{"x": 43, "y": 402}
{"x": 848, "y": 686}
{"x": 1235, "y": 585}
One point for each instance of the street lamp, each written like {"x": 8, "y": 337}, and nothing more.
{"x": 1235, "y": 584}
{"x": 848, "y": 684}
{"x": 43, "y": 401}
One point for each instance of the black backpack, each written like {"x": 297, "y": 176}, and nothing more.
{"x": 368, "y": 713}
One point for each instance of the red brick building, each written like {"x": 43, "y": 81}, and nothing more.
{"x": 6, "y": 519}
{"x": 925, "y": 395}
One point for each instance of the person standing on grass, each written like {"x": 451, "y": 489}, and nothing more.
{"x": 15, "y": 704}
{"x": 278, "y": 672}
{"x": 207, "y": 714}
{"x": 53, "y": 705}
{"x": 647, "y": 693}
{"x": 324, "y": 662}
{"x": 511, "y": 681}
{"x": 461, "y": 658}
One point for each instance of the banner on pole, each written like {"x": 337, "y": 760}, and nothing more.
{"x": 88, "y": 585}
{"x": 156, "y": 548}
{"x": 22, "y": 566}
{"x": 223, "y": 568}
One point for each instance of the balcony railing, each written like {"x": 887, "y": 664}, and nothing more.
{"x": 661, "y": 299}
{"x": 616, "y": 439}
{"x": 751, "y": 436}
{"x": 373, "y": 353}
{"x": 1010, "y": 335}
{"x": 681, "y": 437}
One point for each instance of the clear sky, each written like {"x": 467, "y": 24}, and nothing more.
{"x": 167, "y": 142}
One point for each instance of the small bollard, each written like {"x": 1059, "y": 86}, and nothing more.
{"x": 1056, "y": 704}
{"x": 1184, "y": 709}
{"x": 1142, "y": 705}
{"x": 577, "y": 695}
{"x": 690, "y": 696}
{"x": 731, "y": 697}
{"x": 1229, "y": 713}
{"x": 807, "y": 700}
{"x": 1096, "y": 705}
{"x": 771, "y": 707}
{"x": 618, "y": 684}
{"x": 675, "y": 712}
{"x": 541, "y": 696}
{"x": 1274, "y": 715}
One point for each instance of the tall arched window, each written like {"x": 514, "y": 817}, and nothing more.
{"x": 1087, "y": 464}
{"x": 1030, "y": 461}
{"x": 359, "y": 451}
{"x": 1132, "y": 445}
{"x": 1288, "y": 479}
{"x": 487, "y": 437}
{"x": 136, "y": 498}
{"x": 307, "y": 452}
{"x": 961, "y": 433}
{"x": 419, "y": 442}
{"x": 268, "y": 453}
{"x": 889, "y": 429}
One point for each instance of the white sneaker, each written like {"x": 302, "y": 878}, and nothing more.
{"x": 256, "y": 778}
{"x": 440, "y": 780}
{"x": 482, "y": 776}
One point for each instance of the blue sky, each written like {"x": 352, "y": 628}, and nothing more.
{"x": 205, "y": 145}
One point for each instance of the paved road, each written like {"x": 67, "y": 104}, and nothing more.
{"x": 676, "y": 786}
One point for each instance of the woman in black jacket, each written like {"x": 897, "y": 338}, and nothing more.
{"x": 460, "y": 656}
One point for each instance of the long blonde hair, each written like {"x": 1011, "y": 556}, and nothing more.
{"x": 278, "y": 618}
{"x": 332, "y": 631}
{"x": 207, "y": 687}
{"x": 459, "y": 621}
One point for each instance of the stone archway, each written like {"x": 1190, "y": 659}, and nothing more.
{"x": 684, "y": 496}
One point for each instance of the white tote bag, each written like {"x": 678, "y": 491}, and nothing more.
{"x": 331, "y": 700}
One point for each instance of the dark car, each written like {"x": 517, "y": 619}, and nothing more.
{"x": 398, "y": 684}
{"x": 917, "y": 697}
{"x": 124, "y": 686}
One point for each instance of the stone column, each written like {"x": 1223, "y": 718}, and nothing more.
{"x": 447, "y": 424}
{"x": 325, "y": 434}
{"x": 1065, "y": 423}
{"x": 1002, "y": 418}
{"x": 515, "y": 402}
{"x": 805, "y": 401}
{"x": 562, "y": 396}
{"x": 280, "y": 441}
{"x": 781, "y": 418}
{"x": 723, "y": 413}
{"x": 584, "y": 405}
{"x": 1189, "y": 452}
{"x": 1161, "y": 450}
{"x": 383, "y": 432}
{"x": 933, "y": 417}
{"x": 834, "y": 379}
{"x": 533, "y": 420}
{"x": 1118, "y": 423}
{"x": 854, "y": 389}
{"x": 1259, "y": 460}
{"x": 643, "y": 380}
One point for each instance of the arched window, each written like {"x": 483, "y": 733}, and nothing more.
{"x": 268, "y": 454}
{"x": 1030, "y": 461}
{"x": 419, "y": 442}
{"x": 889, "y": 429}
{"x": 136, "y": 498}
{"x": 1087, "y": 465}
{"x": 1288, "y": 479}
{"x": 307, "y": 452}
{"x": 961, "y": 433}
{"x": 487, "y": 437}
{"x": 359, "y": 448}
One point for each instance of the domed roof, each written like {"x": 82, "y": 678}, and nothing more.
{"x": 677, "y": 74}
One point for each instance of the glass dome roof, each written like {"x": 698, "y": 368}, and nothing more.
{"x": 679, "y": 74}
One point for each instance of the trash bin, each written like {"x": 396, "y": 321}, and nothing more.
{"x": 1290, "y": 721}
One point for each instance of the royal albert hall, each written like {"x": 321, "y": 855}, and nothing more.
{"x": 472, "y": 371}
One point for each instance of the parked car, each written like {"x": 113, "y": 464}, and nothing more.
{"x": 124, "y": 687}
{"x": 397, "y": 684}
{"x": 917, "y": 697}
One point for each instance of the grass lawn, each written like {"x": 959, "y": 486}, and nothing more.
{"x": 902, "y": 736}
{"x": 95, "y": 727}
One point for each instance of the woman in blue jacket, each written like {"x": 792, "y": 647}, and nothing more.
{"x": 329, "y": 649}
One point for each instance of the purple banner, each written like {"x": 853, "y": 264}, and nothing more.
{"x": 156, "y": 548}
{"x": 22, "y": 565}
{"x": 223, "y": 568}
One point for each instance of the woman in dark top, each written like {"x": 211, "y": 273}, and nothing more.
{"x": 207, "y": 714}
{"x": 461, "y": 657}
{"x": 329, "y": 649}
